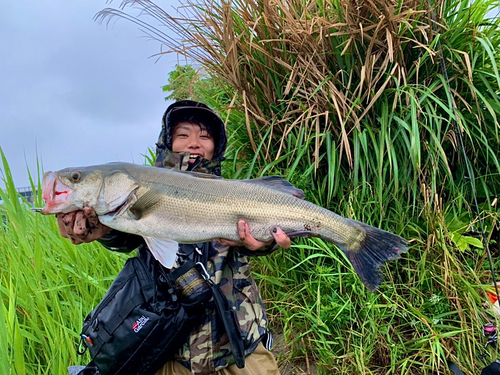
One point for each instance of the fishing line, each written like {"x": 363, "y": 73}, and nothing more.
{"x": 464, "y": 154}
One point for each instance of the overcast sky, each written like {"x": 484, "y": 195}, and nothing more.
{"x": 74, "y": 92}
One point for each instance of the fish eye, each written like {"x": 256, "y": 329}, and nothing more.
{"x": 75, "y": 176}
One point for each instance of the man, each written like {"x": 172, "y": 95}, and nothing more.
{"x": 193, "y": 138}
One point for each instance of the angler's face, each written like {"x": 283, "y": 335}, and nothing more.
{"x": 192, "y": 138}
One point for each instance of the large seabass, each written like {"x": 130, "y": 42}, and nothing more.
{"x": 188, "y": 207}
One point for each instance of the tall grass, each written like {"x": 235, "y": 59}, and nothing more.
{"x": 47, "y": 286}
{"x": 429, "y": 308}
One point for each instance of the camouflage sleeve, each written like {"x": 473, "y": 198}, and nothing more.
{"x": 261, "y": 252}
{"x": 121, "y": 242}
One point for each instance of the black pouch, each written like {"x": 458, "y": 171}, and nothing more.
{"x": 144, "y": 317}
{"x": 492, "y": 369}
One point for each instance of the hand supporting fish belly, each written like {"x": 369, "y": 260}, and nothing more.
{"x": 248, "y": 241}
{"x": 189, "y": 207}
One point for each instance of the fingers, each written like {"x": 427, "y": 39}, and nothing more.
{"x": 62, "y": 227}
{"x": 95, "y": 229}
{"x": 281, "y": 238}
{"x": 92, "y": 219}
{"x": 68, "y": 221}
{"x": 76, "y": 241}
{"x": 251, "y": 243}
{"x": 248, "y": 240}
{"x": 81, "y": 226}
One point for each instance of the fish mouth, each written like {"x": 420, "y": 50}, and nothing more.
{"x": 54, "y": 193}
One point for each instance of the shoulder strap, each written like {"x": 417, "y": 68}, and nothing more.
{"x": 229, "y": 319}
{"x": 198, "y": 252}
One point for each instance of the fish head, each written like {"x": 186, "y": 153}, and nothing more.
{"x": 106, "y": 188}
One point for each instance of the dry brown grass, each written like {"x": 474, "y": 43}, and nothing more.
{"x": 315, "y": 64}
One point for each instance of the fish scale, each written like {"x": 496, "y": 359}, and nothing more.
{"x": 262, "y": 207}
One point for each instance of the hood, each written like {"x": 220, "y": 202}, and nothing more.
{"x": 180, "y": 161}
{"x": 184, "y": 110}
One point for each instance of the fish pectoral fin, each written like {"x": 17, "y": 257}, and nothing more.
{"x": 145, "y": 203}
{"x": 277, "y": 183}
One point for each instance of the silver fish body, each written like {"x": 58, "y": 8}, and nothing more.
{"x": 192, "y": 207}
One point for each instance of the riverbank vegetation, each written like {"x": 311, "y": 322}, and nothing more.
{"x": 350, "y": 102}
{"x": 364, "y": 105}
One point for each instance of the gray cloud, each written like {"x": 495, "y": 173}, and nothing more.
{"x": 74, "y": 92}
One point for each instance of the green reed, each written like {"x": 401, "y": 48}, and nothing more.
{"x": 47, "y": 287}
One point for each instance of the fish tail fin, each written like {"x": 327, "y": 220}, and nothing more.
{"x": 377, "y": 247}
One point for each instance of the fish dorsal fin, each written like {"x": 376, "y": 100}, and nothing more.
{"x": 147, "y": 201}
{"x": 277, "y": 183}
{"x": 199, "y": 174}
{"x": 204, "y": 175}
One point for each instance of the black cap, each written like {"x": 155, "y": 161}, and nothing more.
{"x": 189, "y": 110}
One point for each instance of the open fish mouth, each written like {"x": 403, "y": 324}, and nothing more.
{"x": 54, "y": 193}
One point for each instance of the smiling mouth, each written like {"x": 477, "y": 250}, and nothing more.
{"x": 194, "y": 157}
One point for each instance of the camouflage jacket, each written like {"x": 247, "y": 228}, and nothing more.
{"x": 207, "y": 349}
